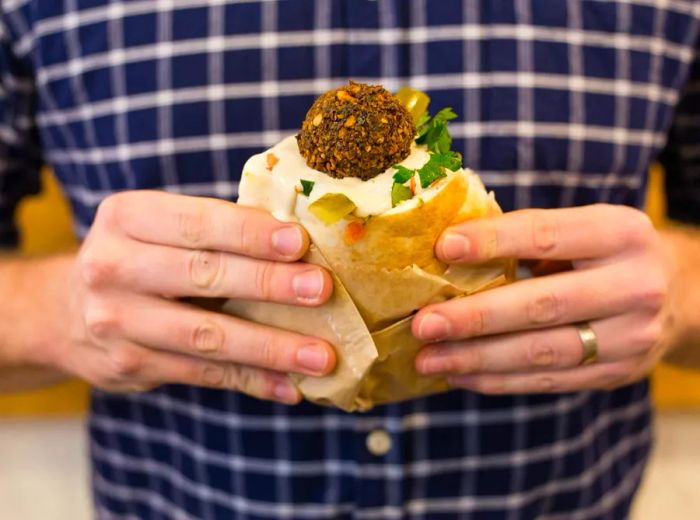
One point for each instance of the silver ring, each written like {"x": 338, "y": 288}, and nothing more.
{"x": 590, "y": 343}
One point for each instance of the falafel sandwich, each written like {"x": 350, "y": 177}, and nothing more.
{"x": 373, "y": 179}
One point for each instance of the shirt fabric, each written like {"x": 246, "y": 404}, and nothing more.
{"x": 561, "y": 103}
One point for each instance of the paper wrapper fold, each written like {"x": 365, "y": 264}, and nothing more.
{"x": 379, "y": 284}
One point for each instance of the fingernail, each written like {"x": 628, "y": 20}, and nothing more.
{"x": 435, "y": 363}
{"x": 433, "y": 326}
{"x": 313, "y": 358}
{"x": 454, "y": 246}
{"x": 287, "y": 241}
{"x": 285, "y": 392}
{"x": 308, "y": 285}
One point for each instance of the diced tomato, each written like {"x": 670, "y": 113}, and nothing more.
{"x": 271, "y": 160}
{"x": 354, "y": 232}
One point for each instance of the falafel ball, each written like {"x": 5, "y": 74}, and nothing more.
{"x": 357, "y": 130}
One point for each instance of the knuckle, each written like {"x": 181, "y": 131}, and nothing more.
{"x": 100, "y": 321}
{"x": 652, "y": 294}
{"x": 213, "y": 375}
{"x": 207, "y": 338}
{"x": 126, "y": 361}
{"x": 637, "y": 228}
{"x": 545, "y": 308}
{"x": 473, "y": 322}
{"x": 205, "y": 269}
{"x": 110, "y": 208}
{"x": 245, "y": 231}
{"x": 544, "y": 231}
{"x": 467, "y": 360}
{"x": 97, "y": 270}
{"x": 649, "y": 337}
{"x": 192, "y": 225}
{"x": 488, "y": 243}
{"x": 267, "y": 352}
{"x": 540, "y": 353}
{"x": 238, "y": 377}
{"x": 545, "y": 385}
{"x": 263, "y": 276}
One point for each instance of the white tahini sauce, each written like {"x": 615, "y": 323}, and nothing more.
{"x": 275, "y": 190}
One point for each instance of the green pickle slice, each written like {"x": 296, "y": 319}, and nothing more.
{"x": 331, "y": 207}
{"x": 399, "y": 193}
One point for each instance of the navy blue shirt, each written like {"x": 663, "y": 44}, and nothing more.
{"x": 560, "y": 104}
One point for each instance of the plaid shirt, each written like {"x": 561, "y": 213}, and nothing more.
{"x": 561, "y": 102}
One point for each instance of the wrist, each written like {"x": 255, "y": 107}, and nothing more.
{"x": 35, "y": 309}
{"x": 682, "y": 245}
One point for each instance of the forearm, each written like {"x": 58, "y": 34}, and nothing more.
{"x": 31, "y": 320}
{"x": 683, "y": 243}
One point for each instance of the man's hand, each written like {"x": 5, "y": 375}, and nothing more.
{"x": 521, "y": 338}
{"x": 126, "y": 329}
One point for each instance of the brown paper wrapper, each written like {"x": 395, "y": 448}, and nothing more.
{"x": 379, "y": 283}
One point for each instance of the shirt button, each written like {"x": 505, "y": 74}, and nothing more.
{"x": 378, "y": 442}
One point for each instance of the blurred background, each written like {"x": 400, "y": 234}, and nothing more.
{"x": 43, "y": 447}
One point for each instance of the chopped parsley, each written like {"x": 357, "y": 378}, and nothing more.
{"x": 306, "y": 186}
{"x": 431, "y": 171}
{"x": 422, "y": 120}
{"x": 450, "y": 160}
{"x": 403, "y": 174}
{"x": 433, "y": 132}
{"x": 434, "y": 169}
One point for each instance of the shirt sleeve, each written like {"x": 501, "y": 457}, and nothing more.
{"x": 20, "y": 151}
{"x": 681, "y": 156}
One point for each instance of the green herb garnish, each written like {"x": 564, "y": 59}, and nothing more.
{"x": 433, "y": 133}
{"x": 434, "y": 169}
{"x": 399, "y": 193}
{"x": 431, "y": 171}
{"x": 422, "y": 120}
{"x": 403, "y": 174}
{"x": 450, "y": 160}
{"x": 306, "y": 186}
